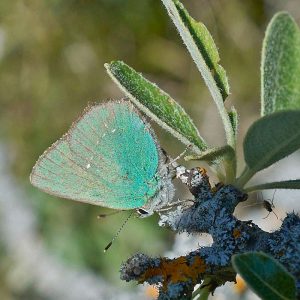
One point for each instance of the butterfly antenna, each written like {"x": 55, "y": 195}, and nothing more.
{"x": 118, "y": 232}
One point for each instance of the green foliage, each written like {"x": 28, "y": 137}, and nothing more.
{"x": 280, "y": 70}
{"x": 287, "y": 184}
{"x": 213, "y": 154}
{"x": 204, "y": 52}
{"x": 234, "y": 120}
{"x": 202, "y": 292}
{"x": 54, "y": 82}
{"x": 270, "y": 139}
{"x": 156, "y": 103}
{"x": 265, "y": 276}
{"x": 206, "y": 46}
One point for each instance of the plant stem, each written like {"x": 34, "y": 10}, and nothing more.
{"x": 288, "y": 184}
{"x": 204, "y": 290}
{"x": 204, "y": 294}
{"x": 230, "y": 169}
{"x": 244, "y": 178}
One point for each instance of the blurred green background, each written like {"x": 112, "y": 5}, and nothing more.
{"x": 51, "y": 65}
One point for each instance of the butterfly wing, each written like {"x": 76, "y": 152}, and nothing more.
{"x": 56, "y": 172}
{"x": 109, "y": 157}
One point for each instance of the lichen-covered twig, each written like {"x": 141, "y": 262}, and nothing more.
{"x": 212, "y": 212}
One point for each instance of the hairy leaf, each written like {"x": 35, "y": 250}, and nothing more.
{"x": 204, "y": 52}
{"x": 234, "y": 120}
{"x": 157, "y": 104}
{"x": 280, "y": 70}
{"x": 272, "y": 138}
{"x": 265, "y": 276}
{"x": 205, "y": 45}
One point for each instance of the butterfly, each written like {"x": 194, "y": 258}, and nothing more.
{"x": 109, "y": 157}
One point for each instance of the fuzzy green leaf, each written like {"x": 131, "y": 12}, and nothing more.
{"x": 271, "y": 138}
{"x": 205, "y": 44}
{"x": 280, "y": 70}
{"x": 234, "y": 120}
{"x": 204, "y": 52}
{"x": 265, "y": 276}
{"x": 157, "y": 104}
{"x": 214, "y": 154}
{"x": 293, "y": 184}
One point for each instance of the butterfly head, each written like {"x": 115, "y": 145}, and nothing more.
{"x": 143, "y": 213}
{"x": 163, "y": 195}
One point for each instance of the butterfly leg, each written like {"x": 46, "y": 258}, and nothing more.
{"x": 179, "y": 202}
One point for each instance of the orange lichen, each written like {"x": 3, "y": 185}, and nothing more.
{"x": 152, "y": 292}
{"x": 202, "y": 171}
{"x": 236, "y": 233}
{"x": 240, "y": 286}
{"x": 280, "y": 253}
{"x": 176, "y": 270}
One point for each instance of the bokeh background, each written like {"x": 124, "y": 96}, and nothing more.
{"x": 51, "y": 65}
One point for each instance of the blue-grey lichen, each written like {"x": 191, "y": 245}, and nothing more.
{"x": 285, "y": 245}
{"x": 212, "y": 212}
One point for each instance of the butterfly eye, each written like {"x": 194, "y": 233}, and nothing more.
{"x": 143, "y": 213}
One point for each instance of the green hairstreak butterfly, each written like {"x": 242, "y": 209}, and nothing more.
{"x": 109, "y": 157}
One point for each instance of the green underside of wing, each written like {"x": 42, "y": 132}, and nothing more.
{"x": 108, "y": 158}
